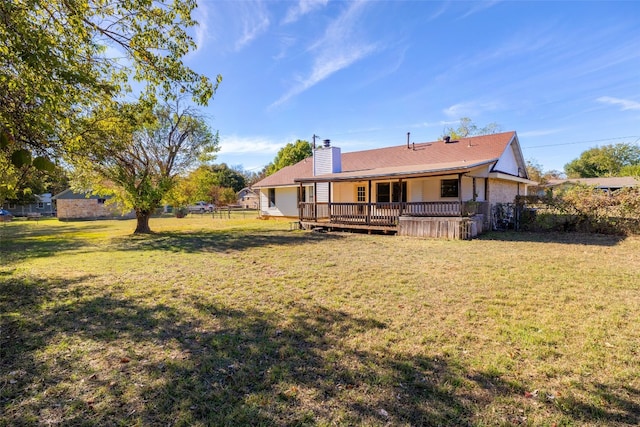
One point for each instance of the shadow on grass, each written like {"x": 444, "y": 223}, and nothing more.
{"x": 591, "y": 239}
{"x": 71, "y": 358}
{"x": 622, "y": 405}
{"x": 220, "y": 241}
{"x": 23, "y": 241}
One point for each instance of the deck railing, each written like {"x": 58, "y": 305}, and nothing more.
{"x": 314, "y": 211}
{"x": 384, "y": 214}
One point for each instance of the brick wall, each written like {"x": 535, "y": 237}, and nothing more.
{"x": 500, "y": 191}
{"x": 86, "y": 209}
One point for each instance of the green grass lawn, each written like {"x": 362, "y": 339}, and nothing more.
{"x": 238, "y": 321}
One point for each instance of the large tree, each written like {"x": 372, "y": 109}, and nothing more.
{"x": 137, "y": 156}
{"x": 289, "y": 155}
{"x": 608, "y": 160}
{"x": 61, "y": 59}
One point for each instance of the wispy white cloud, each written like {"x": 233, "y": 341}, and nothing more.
{"x": 254, "y": 19}
{"x": 441, "y": 10}
{"x": 470, "y": 109}
{"x": 339, "y": 48}
{"x": 285, "y": 43}
{"x": 479, "y": 6}
{"x": 539, "y": 132}
{"x": 234, "y": 144}
{"x": 388, "y": 68}
{"x": 434, "y": 124}
{"x": 624, "y": 104}
{"x": 302, "y": 8}
{"x": 201, "y": 31}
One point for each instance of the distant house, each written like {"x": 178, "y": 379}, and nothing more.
{"x": 248, "y": 199}
{"x": 611, "y": 183}
{"x": 441, "y": 188}
{"x": 71, "y": 205}
{"x": 42, "y": 205}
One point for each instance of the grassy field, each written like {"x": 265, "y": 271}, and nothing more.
{"x": 214, "y": 322}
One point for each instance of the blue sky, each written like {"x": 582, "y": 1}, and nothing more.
{"x": 564, "y": 75}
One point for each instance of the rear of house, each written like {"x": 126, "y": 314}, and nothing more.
{"x": 393, "y": 188}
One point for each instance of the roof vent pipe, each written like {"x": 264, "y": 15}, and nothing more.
{"x": 447, "y": 139}
{"x": 408, "y": 134}
{"x": 326, "y": 142}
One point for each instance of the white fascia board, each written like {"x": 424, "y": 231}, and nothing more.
{"x": 507, "y": 177}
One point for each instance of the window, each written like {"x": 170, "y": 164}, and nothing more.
{"x": 391, "y": 192}
{"x": 40, "y": 205}
{"x": 399, "y": 188}
{"x": 383, "y": 192}
{"x": 360, "y": 194}
{"x": 449, "y": 188}
{"x": 272, "y": 197}
{"x": 302, "y": 194}
{"x": 311, "y": 194}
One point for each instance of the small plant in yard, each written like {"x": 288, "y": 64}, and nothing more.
{"x": 235, "y": 322}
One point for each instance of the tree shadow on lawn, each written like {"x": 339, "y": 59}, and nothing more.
{"x": 108, "y": 360}
{"x": 220, "y": 241}
{"x": 591, "y": 239}
{"x": 23, "y": 242}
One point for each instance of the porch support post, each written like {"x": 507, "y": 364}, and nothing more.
{"x": 401, "y": 202}
{"x": 486, "y": 189}
{"x": 300, "y": 202}
{"x": 329, "y": 198}
{"x": 315, "y": 201}
{"x": 460, "y": 192}
{"x": 369, "y": 205}
{"x": 474, "y": 189}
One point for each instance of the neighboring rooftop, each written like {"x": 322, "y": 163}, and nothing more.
{"x": 612, "y": 182}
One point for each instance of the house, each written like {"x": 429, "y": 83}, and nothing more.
{"x": 41, "y": 206}
{"x": 248, "y": 199}
{"x": 72, "y": 206}
{"x": 608, "y": 184}
{"x": 441, "y": 189}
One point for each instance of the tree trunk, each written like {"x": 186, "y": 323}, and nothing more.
{"x": 142, "y": 216}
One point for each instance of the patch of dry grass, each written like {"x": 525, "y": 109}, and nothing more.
{"x": 242, "y": 322}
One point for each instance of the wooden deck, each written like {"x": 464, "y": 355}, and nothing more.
{"x": 450, "y": 220}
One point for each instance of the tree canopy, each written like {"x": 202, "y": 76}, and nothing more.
{"x": 217, "y": 184}
{"x": 289, "y": 155}
{"x": 608, "y": 160}
{"x": 61, "y": 59}
{"x": 138, "y": 154}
